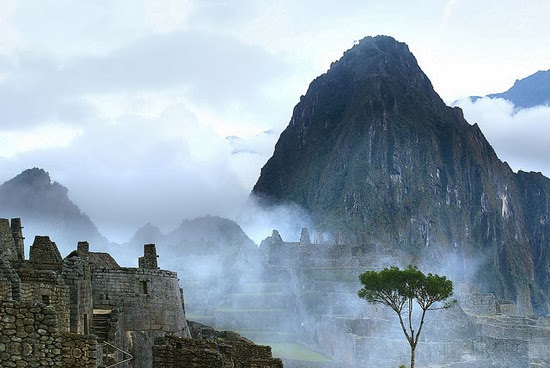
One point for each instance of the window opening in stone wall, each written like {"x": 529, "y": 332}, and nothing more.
{"x": 86, "y": 327}
{"x": 46, "y": 299}
{"x": 15, "y": 293}
{"x": 143, "y": 287}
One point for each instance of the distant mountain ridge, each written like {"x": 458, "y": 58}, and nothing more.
{"x": 202, "y": 235}
{"x": 376, "y": 157}
{"x": 46, "y": 209}
{"x": 531, "y": 91}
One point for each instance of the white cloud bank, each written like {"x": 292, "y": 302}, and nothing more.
{"x": 128, "y": 103}
{"x": 519, "y": 137}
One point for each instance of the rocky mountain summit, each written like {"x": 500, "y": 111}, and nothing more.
{"x": 46, "y": 206}
{"x": 376, "y": 157}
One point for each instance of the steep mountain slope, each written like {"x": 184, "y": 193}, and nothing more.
{"x": 528, "y": 92}
{"x": 375, "y": 156}
{"x": 46, "y": 208}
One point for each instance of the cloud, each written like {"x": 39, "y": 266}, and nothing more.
{"x": 137, "y": 134}
{"x": 259, "y": 221}
{"x": 449, "y": 8}
{"x": 209, "y": 70}
{"x": 520, "y": 138}
{"x": 157, "y": 166}
{"x": 45, "y": 136}
{"x": 168, "y": 15}
{"x": 10, "y": 38}
{"x": 132, "y": 101}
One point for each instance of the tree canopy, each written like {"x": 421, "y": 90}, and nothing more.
{"x": 401, "y": 290}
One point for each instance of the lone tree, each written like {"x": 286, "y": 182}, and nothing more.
{"x": 400, "y": 289}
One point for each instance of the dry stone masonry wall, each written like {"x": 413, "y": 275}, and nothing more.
{"x": 77, "y": 276}
{"x": 47, "y": 287}
{"x": 29, "y": 337}
{"x": 172, "y": 352}
{"x": 151, "y": 299}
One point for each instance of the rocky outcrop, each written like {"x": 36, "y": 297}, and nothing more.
{"x": 375, "y": 156}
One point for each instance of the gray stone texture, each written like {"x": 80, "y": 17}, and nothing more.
{"x": 30, "y": 337}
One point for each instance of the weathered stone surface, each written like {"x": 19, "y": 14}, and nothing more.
{"x": 41, "y": 341}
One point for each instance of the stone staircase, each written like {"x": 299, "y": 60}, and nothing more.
{"x": 100, "y": 325}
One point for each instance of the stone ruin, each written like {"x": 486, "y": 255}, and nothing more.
{"x": 85, "y": 310}
{"x": 481, "y": 330}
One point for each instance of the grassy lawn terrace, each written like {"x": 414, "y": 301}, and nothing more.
{"x": 296, "y": 352}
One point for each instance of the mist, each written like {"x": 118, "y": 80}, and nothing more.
{"x": 145, "y": 172}
{"x": 159, "y": 113}
{"x": 519, "y": 136}
{"x": 258, "y": 220}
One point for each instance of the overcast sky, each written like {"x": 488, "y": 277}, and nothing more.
{"x": 129, "y": 103}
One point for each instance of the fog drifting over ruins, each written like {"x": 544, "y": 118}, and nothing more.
{"x": 158, "y": 111}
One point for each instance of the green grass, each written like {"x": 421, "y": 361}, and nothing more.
{"x": 262, "y": 333}
{"x": 195, "y": 317}
{"x": 296, "y": 352}
{"x": 251, "y": 310}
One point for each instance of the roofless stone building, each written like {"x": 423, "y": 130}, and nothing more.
{"x": 87, "y": 311}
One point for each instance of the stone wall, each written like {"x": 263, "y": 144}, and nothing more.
{"x": 509, "y": 352}
{"x": 18, "y": 239}
{"x": 46, "y": 287}
{"x": 487, "y": 304}
{"x": 173, "y": 352}
{"x": 8, "y": 248}
{"x": 152, "y": 305}
{"x": 29, "y": 337}
{"x": 27, "y": 334}
{"x": 9, "y": 282}
{"x": 77, "y": 276}
{"x": 5, "y": 288}
{"x": 44, "y": 254}
{"x": 150, "y": 299}
{"x": 149, "y": 259}
{"x": 305, "y": 254}
{"x": 80, "y": 351}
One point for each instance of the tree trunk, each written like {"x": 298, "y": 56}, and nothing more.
{"x": 412, "y": 357}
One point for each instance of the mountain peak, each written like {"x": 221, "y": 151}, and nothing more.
{"x": 376, "y": 157}
{"x": 376, "y": 87}
{"x": 383, "y": 56}
{"x": 35, "y": 177}
{"x": 46, "y": 208}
